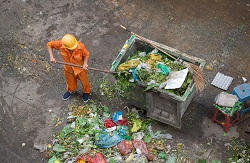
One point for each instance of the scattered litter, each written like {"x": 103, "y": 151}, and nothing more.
{"x": 110, "y": 129}
{"x": 244, "y": 79}
{"x": 40, "y": 147}
{"x": 135, "y": 158}
{"x": 158, "y": 134}
{"x": 155, "y": 51}
{"x": 117, "y": 116}
{"x": 151, "y": 82}
{"x": 85, "y": 138}
{"x": 23, "y": 144}
{"x": 162, "y": 155}
{"x": 136, "y": 125}
{"x": 125, "y": 147}
{"x": 108, "y": 123}
{"x": 142, "y": 54}
{"x": 58, "y": 148}
{"x": 129, "y": 65}
{"x": 98, "y": 158}
{"x": 222, "y": 81}
{"x": 138, "y": 136}
{"x": 176, "y": 79}
{"x": 209, "y": 67}
{"x": 106, "y": 141}
{"x": 164, "y": 70}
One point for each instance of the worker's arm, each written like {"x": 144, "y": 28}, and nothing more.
{"x": 85, "y": 64}
{"x": 52, "y": 58}
{"x": 56, "y": 45}
{"x": 85, "y": 54}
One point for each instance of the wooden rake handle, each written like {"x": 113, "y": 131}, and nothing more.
{"x": 89, "y": 68}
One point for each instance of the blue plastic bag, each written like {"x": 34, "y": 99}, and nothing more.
{"x": 117, "y": 116}
{"x": 134, "y": 74}
{"x": 122, "y": 130}
{"x": 107, "y": 141}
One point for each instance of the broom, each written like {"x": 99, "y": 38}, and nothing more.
{"x": 195, "y": 70}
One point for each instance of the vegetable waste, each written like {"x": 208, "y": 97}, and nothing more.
{"x": 151, "y": 69}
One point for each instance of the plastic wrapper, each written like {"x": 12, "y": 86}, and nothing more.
{"x": 176, "y": 79}
{"x": 128, "y": 65}
{"x": 125, "y": 147}
{"x": 106, "y": 141}
{"x": 142, "y": 54}
{"x": 110, "y": 129}
{"x": 136, "y": 125}
{"x": 140, "y": 146}
{"x": 98, "y": 158}
{"x": 135, "y": 77}
{"x": 108, "y": 123}
{"x": 158, "y": 135}
{"x": 122, "y": 130}
{"x": 123, "y": 122}
{"x": 135, "y": 158}
{"x": 138, "y": 135}
{"x": 117, "y": 116}
{"x": 164, "y": 70}
{"x": 143, "y": 66}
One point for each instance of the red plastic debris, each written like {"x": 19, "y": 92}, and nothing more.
{"x": 122, "y": 122}
{"x": 108, "y": 123}
{"x": 141, "y": 145}
{"x": 125, "y": 147}
{"x": 98, "y": 158}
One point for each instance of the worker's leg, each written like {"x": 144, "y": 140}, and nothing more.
{"x": 83, "y": 77}
{"x": 71, "y": 82}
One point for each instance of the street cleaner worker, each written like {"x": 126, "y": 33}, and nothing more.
{"x": 72, "y": 51}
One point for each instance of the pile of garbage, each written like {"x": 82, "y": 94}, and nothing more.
{"x": 93, "y": 135}
{"x": 155, "y": 70}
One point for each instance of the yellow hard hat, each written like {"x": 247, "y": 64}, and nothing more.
{"x": 69, "y": 41}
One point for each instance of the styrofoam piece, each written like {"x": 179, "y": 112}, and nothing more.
{"x": 222, "y": 81}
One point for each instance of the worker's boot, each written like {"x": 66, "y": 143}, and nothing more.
{"x": 66, "y": 95}
{"x": 85, "y": 97}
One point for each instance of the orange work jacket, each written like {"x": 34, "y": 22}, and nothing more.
{"x": 76, "y": 57}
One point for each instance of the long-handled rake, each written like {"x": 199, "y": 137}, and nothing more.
{"x": 89, "y": 68}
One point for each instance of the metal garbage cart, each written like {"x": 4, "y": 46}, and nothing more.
{"x": 160, "y": 104}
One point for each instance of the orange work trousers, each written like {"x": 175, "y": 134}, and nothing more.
{"x": 71, "y": 81}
